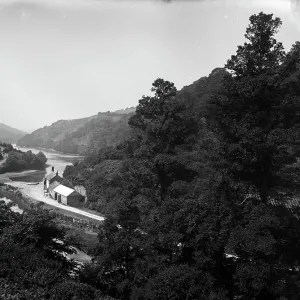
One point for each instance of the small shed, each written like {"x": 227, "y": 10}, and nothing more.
{"x": 67, "y": 196}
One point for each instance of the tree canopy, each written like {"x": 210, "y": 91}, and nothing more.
{"x": 204, "y": 203}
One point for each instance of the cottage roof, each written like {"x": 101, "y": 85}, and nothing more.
{"x": 63, "y": 190}
{"x": 53, "y": 185}
{"x": 50, "y": 175}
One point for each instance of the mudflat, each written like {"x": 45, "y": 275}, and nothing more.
{"x": 6, "y": 176}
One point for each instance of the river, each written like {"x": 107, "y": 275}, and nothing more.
{"x": 59, "y": 161}
{"x": 23, "y": 179}
{"x": 56, "y": 159}
{"x": 30, "y": 182}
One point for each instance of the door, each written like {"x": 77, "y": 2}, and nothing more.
{"x": 59, "y": 198}
{"x": 55, "y": 196}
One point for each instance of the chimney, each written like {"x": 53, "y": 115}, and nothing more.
{"x": 52, "y": 169}
{"x": 56, "y": 172}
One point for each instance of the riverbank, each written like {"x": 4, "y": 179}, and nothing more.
{"x": 51, "y": 150}
{"x": 6, "y": 177}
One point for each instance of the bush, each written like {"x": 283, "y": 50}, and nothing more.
{"x": 19, "y": 161}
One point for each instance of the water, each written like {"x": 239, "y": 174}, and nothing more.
{"x": 14, "y": 208}
{"x": 59, "y": 161}
{"x": 56, "y": 159}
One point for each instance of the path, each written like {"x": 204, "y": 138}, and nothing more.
{"x": 35, "y": 193}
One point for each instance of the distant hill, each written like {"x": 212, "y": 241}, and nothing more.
{"x": 97, "y": 173}
{"x": 81, "y": 136}
{"x": 9, "y": 134}
{"x": 87, "y": 135}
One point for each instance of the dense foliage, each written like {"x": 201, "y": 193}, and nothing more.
{"x": 205, "y": 202}
{"x": 33, "y": 262}
{"x": 82, "y": 136}
{"x": 202, "y": 197}
{"x": 17, "y": 160}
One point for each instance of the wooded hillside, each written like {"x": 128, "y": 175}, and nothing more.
{"x": 81, "y": 136}
{"x": 202, "y": 200}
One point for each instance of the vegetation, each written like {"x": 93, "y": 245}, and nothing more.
{"x": 201, "y": 198}
{"x": 6, "y": 147}
{"x": 82, "y": 136}
{"x": 32, "y": 260}
{"x": 17, "y": 160}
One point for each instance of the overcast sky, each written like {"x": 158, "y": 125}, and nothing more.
{"x": 73, "y": 58}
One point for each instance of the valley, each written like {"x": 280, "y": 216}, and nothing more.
{"x": 191, "y": 193}
{"x": 22, "y": 180}
{"x": 81, "y": 136}
{"x": 9, "y": 134}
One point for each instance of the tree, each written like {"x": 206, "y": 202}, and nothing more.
{"x": 256, "y": 116}
{"x": 262, "y": 54}
{"x": 161, "y": 122}
{"x": 72, "y": 290}
{"x": 33, "y": 264}
{"x": 162, "y": 126}
{"x": 120, "y": 244}
{"x": 253, "y": 109}
{"x": 158, "y": 227}
{"x": 38, "y": 229}
{"x": 41, "y": 158}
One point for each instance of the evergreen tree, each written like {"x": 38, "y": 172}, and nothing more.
{"x": 256, "y": 116}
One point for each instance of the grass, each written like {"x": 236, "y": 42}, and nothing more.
{"x": 89, "y": 240}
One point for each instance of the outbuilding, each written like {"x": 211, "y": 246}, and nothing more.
{"x": 67, "y": 196}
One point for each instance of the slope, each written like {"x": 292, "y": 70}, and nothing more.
{"x": 81, "y": 136}
{"x": 9, "y": 134}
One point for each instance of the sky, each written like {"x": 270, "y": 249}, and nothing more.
{"x": 69, "y": 59}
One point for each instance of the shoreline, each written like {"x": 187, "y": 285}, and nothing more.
{"x": 5, "y": 177}
{"x": 50, "y": 150}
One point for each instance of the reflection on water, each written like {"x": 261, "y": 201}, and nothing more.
{"x": 56, "y": 159}
{"x": 14, "y": 208}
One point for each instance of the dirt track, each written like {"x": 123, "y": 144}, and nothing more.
{"x": 35, "y": 192}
